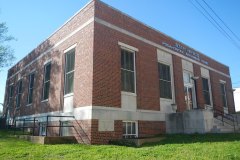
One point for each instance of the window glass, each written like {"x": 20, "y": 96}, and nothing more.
{"x": 127, "y": 71}
{"x": 46, "y": 81}
{"x": 206, "y": 91}
{"x": 129, "y": 130}
{"x": 165, "y": 81}
{"x": 186, "y": 77}
{"x": 223, "y": 94}
{"x": 10, "y": 96}
{"x": 30, "y": 87}
{"x": 69, "y": 71}
{"x": 19, "y": 93}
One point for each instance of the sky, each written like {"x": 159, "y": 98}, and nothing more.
{"x": 32, "y": 21}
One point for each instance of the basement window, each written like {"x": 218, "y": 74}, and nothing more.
{"x": 129, "y": 129}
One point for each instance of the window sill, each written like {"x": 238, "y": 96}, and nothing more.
{"x": 68, "y": 95}
{"x": 43, "y": 101}
{"x": 166, "y": 100}
{"x": 129, "y": 93}
{"x": 28, "y": 105}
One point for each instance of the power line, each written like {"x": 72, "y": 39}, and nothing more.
{"x": 207, "y": 18}
{"x": 230, "y": 38}
{"x": 214, "y": 23}
{"x": 235, "y": 35}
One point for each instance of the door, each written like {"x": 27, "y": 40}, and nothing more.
{"x": 189, "y": 91}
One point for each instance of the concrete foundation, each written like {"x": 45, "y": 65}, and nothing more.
{"x": 48, "y": 140}
{"x": 188, "y": 122}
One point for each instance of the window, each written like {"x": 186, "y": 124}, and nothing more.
{"x": 30, "y": 87}
{"x": 165, "y": 81}
{"x": 69, "y": 71}
{"x": 223, "y": 94}
{"x": 11, "y": 91}
{"x": 129, "y": 129}
{"x": 46, "y": 81}
{"x": 187, "y": 77}
{"x": 42, "y": 129}
{"x": 127, "y": 71}
{"x": 206, "y": 91}
{"x": 19, "y": 93}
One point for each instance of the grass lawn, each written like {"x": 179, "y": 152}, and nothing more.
{"x": 211, "y": 146}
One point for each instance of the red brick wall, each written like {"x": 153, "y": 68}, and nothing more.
{"x": 216, "y": 91}
{"x": 83, "y": 67}
{"x": 178, "y": 83}
{"x": 146, "y": 58}
{"x": 107, "y": 73}
{"x": 151, "y": 128}
{"x": 105, "y": 136}
{"x": 123, "y": 21}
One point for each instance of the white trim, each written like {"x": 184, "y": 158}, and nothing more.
{"x": 109, "y": 25}
{"x": 68, "y": 95}
{"x": 70, "y": 48}
{"x": 43, "y": 101}
{"x": 129, "y": 93}
{"x": 47, "y": 61}
{"x": 136, "y": 128}
{"x": 222, "y": 81}
{"x": 126, "y": 46}
{"x": 32, "y": 71}
{"x": 28, "y": 105}
{"x": 54, "y": 46}
{"x": 105, "y": 113}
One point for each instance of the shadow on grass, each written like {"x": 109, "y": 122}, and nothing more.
{"x": 196, "y": 138}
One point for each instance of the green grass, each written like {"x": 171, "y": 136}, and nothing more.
{"x": 210, "y": 146}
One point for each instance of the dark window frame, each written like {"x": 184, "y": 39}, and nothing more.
{"x": 30, "y": 87}
{"x": 223, "y": 94}
{"x": 206, "y": 91}
{"x": 165, "y": 81}
{"x": 128, "y": 71}
{"x": 11, "y": 93}
{"x": 19, "y": 93}
{"x": 46, "y": 81}
{"x": 69, "y": 72}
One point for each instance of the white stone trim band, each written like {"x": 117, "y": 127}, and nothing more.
{"x": 103, "y": 113}
{"x": 109, "y": 25}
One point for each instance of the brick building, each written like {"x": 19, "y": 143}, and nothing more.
{"x": 118, "y": 77}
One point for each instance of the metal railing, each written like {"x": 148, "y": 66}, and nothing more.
{"x": 225, "y": 117}
{"x": 49, "y": 125}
